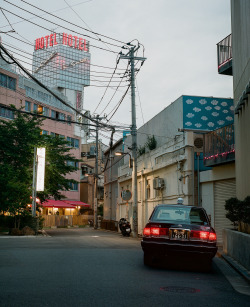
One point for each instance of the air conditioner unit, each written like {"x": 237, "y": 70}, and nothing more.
{"x": 198, "y": 143}
{"x": 158, "y": 183}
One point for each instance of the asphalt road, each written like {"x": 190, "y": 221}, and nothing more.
{"x": 87, "y": 267}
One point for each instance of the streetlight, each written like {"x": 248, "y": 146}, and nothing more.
{"x": 121, "y": 153}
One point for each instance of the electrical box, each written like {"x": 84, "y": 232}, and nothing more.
{"x": 158, "y": 183}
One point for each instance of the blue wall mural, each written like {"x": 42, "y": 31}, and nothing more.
{"x": 207, "y": 113}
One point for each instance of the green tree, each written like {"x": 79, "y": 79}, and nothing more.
{"x": 59, "y": 163}
{"x": 18, "y": 138}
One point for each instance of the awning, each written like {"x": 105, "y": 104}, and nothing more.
{"x": 57, "y": 204}
{"x": 77, "y": 203}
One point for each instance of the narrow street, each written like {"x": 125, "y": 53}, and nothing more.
{"x": 86, "y": 267}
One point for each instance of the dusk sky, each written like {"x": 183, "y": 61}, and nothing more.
{"x": 179, "y": 39}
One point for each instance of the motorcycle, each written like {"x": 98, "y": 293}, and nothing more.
{"x": 125, "y": 227}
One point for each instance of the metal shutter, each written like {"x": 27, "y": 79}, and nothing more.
{"x": 223, "y": 190}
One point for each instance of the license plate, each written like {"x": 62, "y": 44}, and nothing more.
{"x": 179, "y": 234}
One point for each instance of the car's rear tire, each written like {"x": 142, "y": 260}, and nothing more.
{"x": 148, "y": 260}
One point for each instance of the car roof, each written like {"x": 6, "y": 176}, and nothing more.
{"x": 178, "y": 205}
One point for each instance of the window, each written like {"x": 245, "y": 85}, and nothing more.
{"x": 34, "y": 107}
{"x": 45, "y": 132}
{"x": 52, "y": 134}
{"x": 6, "y": 113}
{"x": 27, "y": 106}
{"x": 53, "y": 114}
{"x": 73, "y": 186}
{"x": 180, "y": 214}
{"x": 11, "y": 83}
{"x": 3, "y": 80}
{"x": 73, "y": 142}
{"x": 45, "y": 111}
{"x": 69, "y": 119}
{"x": 8, "y": 82}
{"x": 62, "y": 116}
{"x": 73, "y": 163}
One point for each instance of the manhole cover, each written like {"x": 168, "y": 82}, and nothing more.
{"x": 179, "y": 289}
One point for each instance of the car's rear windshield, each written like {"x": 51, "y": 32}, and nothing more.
{"x": 180, "y": 214}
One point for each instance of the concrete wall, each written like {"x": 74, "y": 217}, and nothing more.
{"x": 236, "y": 245}
{"x": 240, "y": 10}
{"x": 163, "y": 126}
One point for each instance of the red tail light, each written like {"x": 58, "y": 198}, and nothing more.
{"x": 203, "y": 235}
{"x": 146, "y": 231}
{"x": 155, "y": 231}
{"x": 212, "y": 236}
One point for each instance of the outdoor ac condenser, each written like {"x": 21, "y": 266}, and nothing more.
{"x": 158, "y": 183}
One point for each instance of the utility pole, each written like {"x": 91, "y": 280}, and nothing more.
{"x": 131, "y": 57}
{"x": 96, "y": 172}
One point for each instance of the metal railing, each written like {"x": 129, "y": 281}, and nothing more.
{"x": 219, "y": 146}
{"x": 224, "y": 50}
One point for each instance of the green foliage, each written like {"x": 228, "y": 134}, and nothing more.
{"x": 141, "y": 150}
{"x": 18, "y": 138}
{"x": 151, "y": 142}
{"x": 246, "y": 210}
{"x": 237, "y": 210}
{"x": 233, "y": 208}
{"x": 100, "y": 210}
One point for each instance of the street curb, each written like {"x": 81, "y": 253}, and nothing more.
{"x": 236, "y": 265}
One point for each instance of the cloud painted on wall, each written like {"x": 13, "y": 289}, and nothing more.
{"x": 207, "y": 113}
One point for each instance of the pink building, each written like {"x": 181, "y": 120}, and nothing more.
{"x": 19, "y": 91}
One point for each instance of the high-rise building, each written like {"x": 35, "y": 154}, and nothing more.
{"x": 62, "y": 61}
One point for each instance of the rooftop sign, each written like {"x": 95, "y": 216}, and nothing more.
{"x": 54, "y": 39}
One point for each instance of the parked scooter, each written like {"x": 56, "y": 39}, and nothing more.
{"x": 125, "y": 227}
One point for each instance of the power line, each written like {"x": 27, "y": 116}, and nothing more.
{"x": 75, "y": 24}
{"x": 55, "y": 24}
{"x": 106, "y": 67}
{"x": 50, "y": 91}
{"x": 14, "y": 23}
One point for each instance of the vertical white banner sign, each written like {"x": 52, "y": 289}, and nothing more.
{"x": 40, "y": 169}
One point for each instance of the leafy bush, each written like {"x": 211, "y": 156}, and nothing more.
{"x": 238, "y": 211}
{"x": 151, "y": 142}
{"x": 246, "y": 210}
{"x": 233, "y": 208}
{"x": 141, "y": 150}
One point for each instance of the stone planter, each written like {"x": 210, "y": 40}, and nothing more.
{"x": 237, "y": 245}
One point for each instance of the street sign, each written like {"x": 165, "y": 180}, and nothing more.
{"x": 126, "y": 195}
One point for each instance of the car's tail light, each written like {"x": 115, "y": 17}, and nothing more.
{"x": 212, "y": 236}
{"x": 155, "y": 231}
{"x": 202, "y": 235}
{"x": 146, "y": 231}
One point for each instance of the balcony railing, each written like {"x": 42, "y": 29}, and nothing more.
{"x": 219, "y": 146}
{"x": 224, "y": 53}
